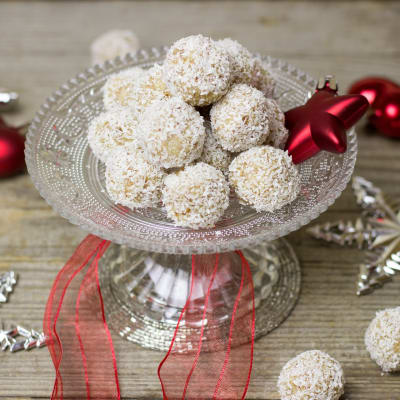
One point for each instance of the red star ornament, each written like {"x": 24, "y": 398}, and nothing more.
{"x": 321, "y": 123}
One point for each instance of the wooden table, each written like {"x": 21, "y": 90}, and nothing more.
{"x": 45, "y": 43}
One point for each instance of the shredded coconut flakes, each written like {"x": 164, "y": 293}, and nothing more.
{"x": 312, "y": 375}
{"x": 382, "y": 339}
{"x": 131, "y": 180}
{"x": 171, "y": 132}
{"x": 265, "y": 178}
{"x": 197, "y": 69}
{"x": 240, "y": 120}
{"x": 196, "y": 197}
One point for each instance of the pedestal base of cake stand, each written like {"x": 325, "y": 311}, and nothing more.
{"x": 144, "y": 292}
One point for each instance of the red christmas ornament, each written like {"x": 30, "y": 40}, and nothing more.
{"x": 12, "y": 144}
{"x": 321, "y": 123}
{"x": 384, "y": 98}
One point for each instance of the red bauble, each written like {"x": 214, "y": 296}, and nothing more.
{"x": 384, "y": 98}
{"x": 12, "y": 144}
{"x": 322, "y": 122}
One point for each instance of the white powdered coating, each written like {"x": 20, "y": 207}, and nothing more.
{"x": 312, "y": 375}
{"x": 196, "y": 197}
{"x": 131, "y": 180}
{"x": 240, "y": 119}
{"x": 213, "y": 153}
{"x": 262, "y": 79}
{"x": 242, "y": 61}
{"x": 149, "y": 89}
{"x": 120, "y": 89}
{"x": 265, "y": 178}
{"x": 198, "y": 70}
{"x": 112, "y": 44}
{"x": 111, "y": 130}
{"x": 382, "y": 339}
{"x": 278, "y": 134}
{"x": 171, "y": 132}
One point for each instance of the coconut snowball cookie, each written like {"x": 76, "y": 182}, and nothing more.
{"x": 196, "y": 197}
{"x": 131, "y": 180}
{"x": 197, "y": 69}
{"x": 242, "y": 61}
{"x": 262, "y": 79}
{"x": 112, "y": 44}
{"x": 312, "y": 375}
{"x": 265, "y": 178}
{"x": 278, "y": 134}
{"x": 382, "y": 339}
{"x": 111, "y": 130}
{"x": 240, "y": 119}
{"x": 120, "y": 89}
{"x": 213, "y": 153}
{"x": 171, "y": 133}
{"x": 148, "y": 89}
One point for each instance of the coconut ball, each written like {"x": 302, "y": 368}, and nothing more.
{"x": 213, "y": 153}
{"x": 112, "y": 44}
{"x": 171, "y": 132}
{"x": 242, "y": 61}
{"x": 148, "y": 89}
{"x": 278, "y": 134}
{"x": 111, "y": 130}
{"x": 240, "y": 119}
{"x": 131, "y": 180}
{"x": 265, "y": 178}
{"x": 197, "y": 69}
{"x": 120, "y": 89}
{"x": 312, "y": 375}
{"x": 382, "y": 339}
{"x": 196, "y": 197}
{"x": 262, "y": 78}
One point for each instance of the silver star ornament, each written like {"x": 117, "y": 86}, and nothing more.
{"x": 377, "y": 231}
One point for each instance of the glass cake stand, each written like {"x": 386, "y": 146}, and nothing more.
{"x": 145, "y": 274}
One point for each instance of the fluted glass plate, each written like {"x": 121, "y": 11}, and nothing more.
{"x": 71, "y": 179}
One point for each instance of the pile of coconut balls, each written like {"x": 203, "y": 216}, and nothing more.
{"x": 185, "y": 132}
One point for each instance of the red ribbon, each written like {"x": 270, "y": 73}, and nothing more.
{"x": 214, "y": 369}
{"x": 79, "y": 341}
{"x": 81, "y": 346}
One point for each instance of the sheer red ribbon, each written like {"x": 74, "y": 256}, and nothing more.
{"x": 218, "y": 366}
{"x": 79, "y": 341}
{"x": 213, "y": 369}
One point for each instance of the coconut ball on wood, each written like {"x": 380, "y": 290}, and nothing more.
{"x": 312, "y": 375}
{"x": 114, "y": 43}
{"x": 382, "y": 339}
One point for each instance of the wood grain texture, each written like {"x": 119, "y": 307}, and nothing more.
{"x": 44, "y": 44}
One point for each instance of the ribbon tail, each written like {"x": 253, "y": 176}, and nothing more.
{"x": 79, "y": 341}
{"x": 219, "y": 362}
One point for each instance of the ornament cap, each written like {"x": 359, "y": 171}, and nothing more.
{"x": 327, "y": 82}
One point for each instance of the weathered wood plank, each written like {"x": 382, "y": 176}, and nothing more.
{"x": 41, "y": 47}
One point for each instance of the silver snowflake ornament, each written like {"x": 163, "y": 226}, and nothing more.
{"x": 377, "y": 231}
{"x": 7, "y": 282}
{"x": 18, "y": 338}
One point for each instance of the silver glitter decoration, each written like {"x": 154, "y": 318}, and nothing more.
{"x": 19, "y": 338}
{"x": 377, "y": 231}
{"x": 7, "y": 282}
